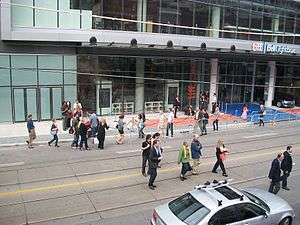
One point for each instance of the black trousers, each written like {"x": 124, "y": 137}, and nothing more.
{"x": 145, "y": 158}
{"x": 219, "y": 163}
{"x": 153, "y": 173}
{"x": 274, "y": 187}
{"x": 261, "y": 121}
{"x": 101, "y": 140}
{"x": 185, "y": 168}
{"x": 170, "y": 127}
{"x": 175, "y": 111}
{"x": 284, "y": 179}
{"x": 204, "y": 123}
{"x": 216, "y": 124}
{"x": 55, "y": 138}
{"x": 83, "y": 140}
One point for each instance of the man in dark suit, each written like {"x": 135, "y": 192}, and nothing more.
{"x": 154, "y": 158}
{"x": 286, "y": 166}
{"x": 275, "y": 174}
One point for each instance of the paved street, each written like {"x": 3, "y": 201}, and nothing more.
{"x": 48, "y": 185}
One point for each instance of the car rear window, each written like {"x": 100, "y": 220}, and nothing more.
{"x": 188, "y": 209}
{"x": 227, "y": 192}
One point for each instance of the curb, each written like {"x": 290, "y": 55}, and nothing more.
{"x": 179, "y": 131}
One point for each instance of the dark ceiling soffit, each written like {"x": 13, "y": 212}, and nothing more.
{"x": 174, "y": 53}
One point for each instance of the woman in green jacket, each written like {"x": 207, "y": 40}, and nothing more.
{"x": 184, "y": 158}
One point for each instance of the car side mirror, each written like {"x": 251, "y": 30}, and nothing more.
{"x": 266, "y": 215}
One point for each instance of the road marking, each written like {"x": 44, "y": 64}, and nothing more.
{"x": 128, "y": 151}
{"x": 12, "y": 164}
{"x": 112, "y": 178}
{"x": 261, "y": 135}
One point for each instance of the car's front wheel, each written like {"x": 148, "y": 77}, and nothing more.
{"x": 279, "y": 104}
{"x": 286, "y": 221}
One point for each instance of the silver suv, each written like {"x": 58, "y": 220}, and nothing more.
{"x": 218, "y": 203}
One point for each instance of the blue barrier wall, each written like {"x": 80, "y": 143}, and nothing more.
{"x": 270, "y": 115}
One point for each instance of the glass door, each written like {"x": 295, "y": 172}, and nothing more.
{"x": 51, "y": 100}
{"x": 24, "y": 104}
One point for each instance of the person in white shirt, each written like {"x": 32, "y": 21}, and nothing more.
{"x": 170, "y": 122}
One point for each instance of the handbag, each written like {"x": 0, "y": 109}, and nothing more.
{"x": 223, "y": 156}
{"x": 53, "y": 132}
{"x": 71, "y": 130}
{"x": 95, "y": 141}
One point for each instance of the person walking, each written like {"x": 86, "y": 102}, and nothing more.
{"x": 205, "y": 121}
{"x": 146, "y": 146}
{"x": 216, "y": 118}
{"x": 161, "y": 124}
{"x": 176, "y": 105}
{"x": 196, "y": 148}
{"x": 101, "y": 133}
{"x": 83, "y": 134}
{"x": 94, "y": 124}
{"x": 75, "y": 126}
{"x": 199, "y": 121}
{"x": 220, "y": 154}
{"x": 184, "y": 158}
{"x": 54, "y": 132}
{"x": 244, "y": 115}
{"x": 261, "y": 114}
{"x": 141, "y": 125}
{"x": 120, "y": 126}
{"x": 275, "y": 174}
{"x": 286, "y": 166}
{"x": 170, "y": 124}
{"x": 31, "y": 131}
{"x": 154, "y": 158}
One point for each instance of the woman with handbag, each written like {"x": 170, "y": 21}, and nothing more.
{"x": 184, "y": 158}
{"x": 54, "y": 131}
{"x": 221, "y": 152}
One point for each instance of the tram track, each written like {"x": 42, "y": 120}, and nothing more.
{"x": 143, "y": 203}
{"x": 170, "y": 162}
{"x": 84, "y": 191}
{"x": 133, "y": 155}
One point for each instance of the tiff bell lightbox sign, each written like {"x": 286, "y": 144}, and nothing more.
{"x": 265, "y": 47}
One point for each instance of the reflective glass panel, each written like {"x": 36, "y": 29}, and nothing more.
{"x": 5, "y": 102}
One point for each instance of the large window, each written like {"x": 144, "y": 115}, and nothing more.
{"x": 202, "y": 17}
{"x": 168, "y": 15}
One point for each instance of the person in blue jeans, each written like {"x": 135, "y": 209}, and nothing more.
{"x": 54, "y": 131}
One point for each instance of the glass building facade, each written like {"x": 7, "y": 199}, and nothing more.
{"x": 214, "y": 18}
{"x": 113, "y": 79}
{"x": 35, "y": 84}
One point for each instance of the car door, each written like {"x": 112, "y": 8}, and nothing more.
{"x": 224, "y": 216}
{"x": 251, "y": 214}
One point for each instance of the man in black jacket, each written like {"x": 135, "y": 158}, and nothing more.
{"x": 154, "y": 158}
{"x": 286, "y": 166}
{"x": 275, "y": 174}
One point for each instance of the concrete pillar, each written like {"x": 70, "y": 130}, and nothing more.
{"x": 214, "y": 74}
{"x": 275, "y": 26}
{"x": 271, "y": 83}
{"x": 215, "y": 21}
{"x": 253, "y": 81}
{"x": 198, "y": 87}
{"x": 139, "y": 85}
{"x": 141, "y": 15}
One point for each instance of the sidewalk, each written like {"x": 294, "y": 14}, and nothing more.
{"x": 16, "y": 134}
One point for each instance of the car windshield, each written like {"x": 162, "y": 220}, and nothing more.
{"x": 188, "y": 209}
{"x": 257, "y": 200}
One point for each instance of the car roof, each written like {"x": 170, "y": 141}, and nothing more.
{"x": 210, "y": 196}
